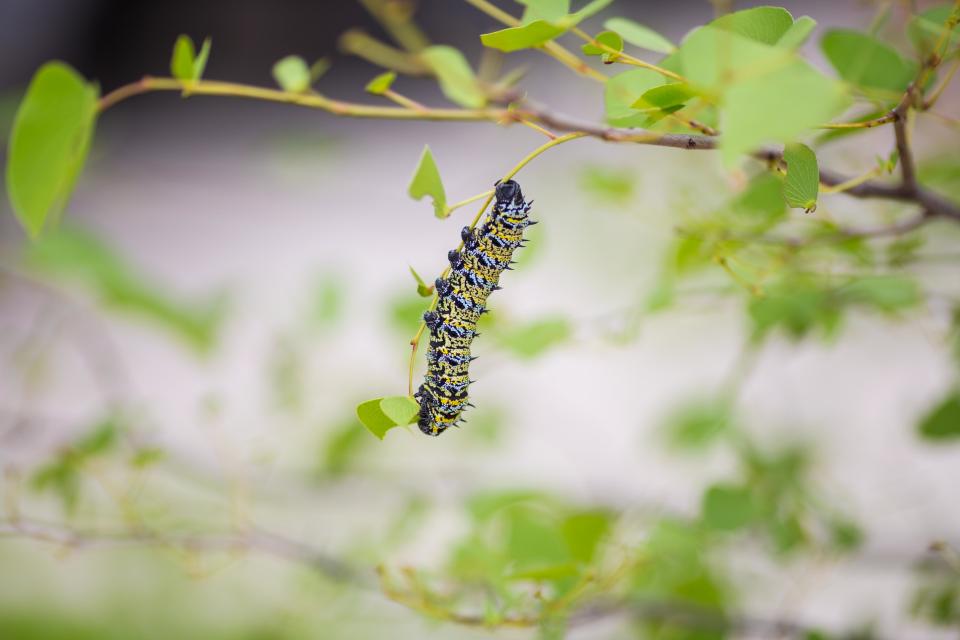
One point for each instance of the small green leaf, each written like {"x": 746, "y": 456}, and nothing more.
{"x": 590, "y": 9}
{"x": 886, "y": 293}
{"x": 639, "y": 35}
{"x": 455, "y": 76}
{"x": 666, "y": 96}
{"x": 423, "y": 289}
{"x": 382, "y": 83}
{"x": 374, "y": 419}
{"x": 763, "y": 24}
{"x": 549, "y": 10}
{"x": 524, "y": 37}
{"x": 292, "y": 74}
{"x": 943, "y": 422}
{"x": 426, "y": 182}
{"x": 802, "y": 183}
{"x": 798, "y": 33}
{"x": 864, "y": 61}
{"x": 622, "y": 90}
{"x": 695, "y": 426}
{"x": 608, "y": 39}
{"x": 200, "y": 62}
{"x": 318, "y": 69}
{"x": 49, "y": 144}
{"x": 727, "y": 507}
{"x": 402, "y": 410}
{"x": 182, "y": 61}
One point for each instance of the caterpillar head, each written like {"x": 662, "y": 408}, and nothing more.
{"x": 508, "y": 192}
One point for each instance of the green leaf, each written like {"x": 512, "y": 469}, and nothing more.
{"x": 608, "y": 39}
{"x": 798, "y": 33}
{"x": 590, "y": 9}
{"x": 888, "y": 294}
{"x": 200, "y": 62}
{"x": 583, "y": 532}
{"x": 763, "y": 24}
{"x": 342, "y": 447}
{"x": 549, "y": 10}
{"x": 727, "y": 507}
{"x": 527, "y": 36}
{"x": 426, "y": 182}
{"x": 292, "y": 74}
{"x": 374, "y": 419}
{"x": 942, "y": 423}
{"x": 761, "y": 205}
{"x": 74, "y": 255}
{"x": 697, "y": 425}
{"x": 182, "y": 61}
{"x": 802, "y": 183}
{"x": 382, "y": 83}
{"x": 864, "y": 61}
{"x": 536, "y": 338}
{"x": 318, "y": 69}
{"x": 639, "y": 35}
{"x": 925, "y": 29}
{"x": 666, "y": 96}
{"x": 49, "y": 144}
{"x": 423, "y": 289}
{"x": 608, "y": 183}
{"x": 622, "y": 90}
{"x": 402, "y": 410}
{"x": 454, "y": 75}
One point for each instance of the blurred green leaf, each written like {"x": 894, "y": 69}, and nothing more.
{"x": 292, "y": 74}
{"x": 382, "y": 83}
{"x": 761, "y": 205}
{"x": 583, "y": 532}
{"x": 185, "y": 63}
{"x": 767, "y": 94}
{"x": 802, "y": 183}
{"x": 374, "y": 419}
{"x": 884, "y": 293}
{"x": 423, "y": 289}
{"x": 796, "y": 305}
{"x": 535, "y": 338}
{"x": 318, "y": 69}
{"x": 588, "y": 10}
{"x": 455, "y": 76}
{"x": 639, "y": 35}
{"x": 402, "y": 410}
{"x": 942, "y": 423}
{"x": 406, "y": 312}
{"x": 763, "y": 24}
{"x": 99, "y": 440}
{"x": 75, "y": 255}
{"x": 526, "y": 36}
{"x": 845, "y": 534}
{"x": 426, "y": 182}
{"x": 326, "y": 301}
{"x": 341, "y": 447}
{"x": 623, "y": 90}
{"x": 146, "y": 456}
{"x": 608, "y": 39}
{"x": 49, "y": 144}
{"x": 864, "y": 61}
{"x": 926, "y": 28}
{"x": 608, "y": 183}
{"x": 698, "y": 424}
{"x": 549, "y": 10}
{"x": 483, "y": 506}
{"x": 727, "y": 507}
{"x": 943, "y": 174}
{"x": 798, "y": 33}
{"x": 665, "y": 96}
{"x": 534, "y": 544}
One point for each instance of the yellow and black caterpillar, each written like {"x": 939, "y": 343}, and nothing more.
{"x": 461, "y": 300}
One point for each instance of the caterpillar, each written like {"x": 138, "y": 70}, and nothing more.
{"x": 461, "y": 300}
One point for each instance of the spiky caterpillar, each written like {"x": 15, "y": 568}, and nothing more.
{"x": 461, "y": 300}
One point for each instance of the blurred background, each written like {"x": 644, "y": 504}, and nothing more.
{"x": 256, "y": 259}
